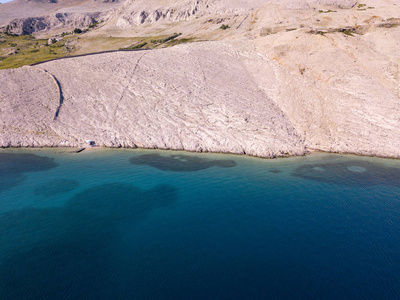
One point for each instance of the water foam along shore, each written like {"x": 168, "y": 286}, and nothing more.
{"x": 208, "y": 97}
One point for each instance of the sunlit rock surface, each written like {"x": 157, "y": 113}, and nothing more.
{"x": 286, "y": 77}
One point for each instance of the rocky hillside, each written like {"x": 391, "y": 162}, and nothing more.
{"x": 136, "y": 12}
{"x": 35, "y": 16}
{"x": 28, "y": 26}
{"x": 175, "y": 98}
{"x": 32, "y": 16}
{"x": 280, "y": 78}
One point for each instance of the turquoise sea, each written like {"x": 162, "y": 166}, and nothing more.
{"x": 144, "y": 224}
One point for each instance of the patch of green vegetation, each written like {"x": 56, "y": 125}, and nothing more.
{"x": 290, "y": 29}
{"x": 348, "y": 32}
{"x": 135, "y": 47}
{"x": 162, "y": 42}
{"x": 166, "y": 39}
{"x": 363, "y": 7}
{"x": 224, "y": 27}
{"x": 77, "y": 30}
{"x": 57, "y": 45}
{"x": 153, "y": 42}
{"x": 179, "y": 41}
{"x": 93, "y": 25}
{"x": 30, "y": 51}
{"x": 326, "y": 11}
{"x": 33, "y": 50}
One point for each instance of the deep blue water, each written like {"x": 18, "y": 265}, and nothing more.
{"x": 135, "y": 224}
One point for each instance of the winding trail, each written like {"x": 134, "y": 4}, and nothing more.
{"x": 61, "y": 97}
{"x": 60, "y": 92}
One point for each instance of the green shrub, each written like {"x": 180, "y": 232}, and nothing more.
{"x": 348, "y": 32}
{"x": 93, "y": 25}
{"x": 224, "y": 27}
{"x": 164, "y": 40}
{"x": 135, "y": 47}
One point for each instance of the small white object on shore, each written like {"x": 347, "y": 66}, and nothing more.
{"x": 91, "y": 143}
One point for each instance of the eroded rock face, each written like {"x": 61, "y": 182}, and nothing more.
{"x": 137, "y": 13}
{"x": 60, "y": 20}
{"x": 54, "y": 14}
{"x": 40, "y": 1}
{"x": 337, "y": 3}
{"x": 140, "y": 12}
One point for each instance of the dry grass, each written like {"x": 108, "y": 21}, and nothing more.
{"x": 17, "y": 51}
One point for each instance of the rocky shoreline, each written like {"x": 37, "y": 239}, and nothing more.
{"x": 202, "y": 99}
{"x": 278, "y": 80}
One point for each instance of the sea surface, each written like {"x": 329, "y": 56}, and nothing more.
{"x": 144, "y": 224}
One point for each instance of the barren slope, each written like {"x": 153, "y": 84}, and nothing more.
{"x": 197, "y": 97}
{"x": 18, "y": 9}
{"x": 33, "y": 16}
{"x": 286, "y": 76}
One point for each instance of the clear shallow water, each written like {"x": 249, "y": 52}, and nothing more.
{"x": 173, "y": 225}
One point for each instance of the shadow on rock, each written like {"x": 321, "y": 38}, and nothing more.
{"x": 180, "y": 163}
{"x": 65, "y": 252}
{"x": 351, "y": 173}
{"x": 13, "y": 165}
